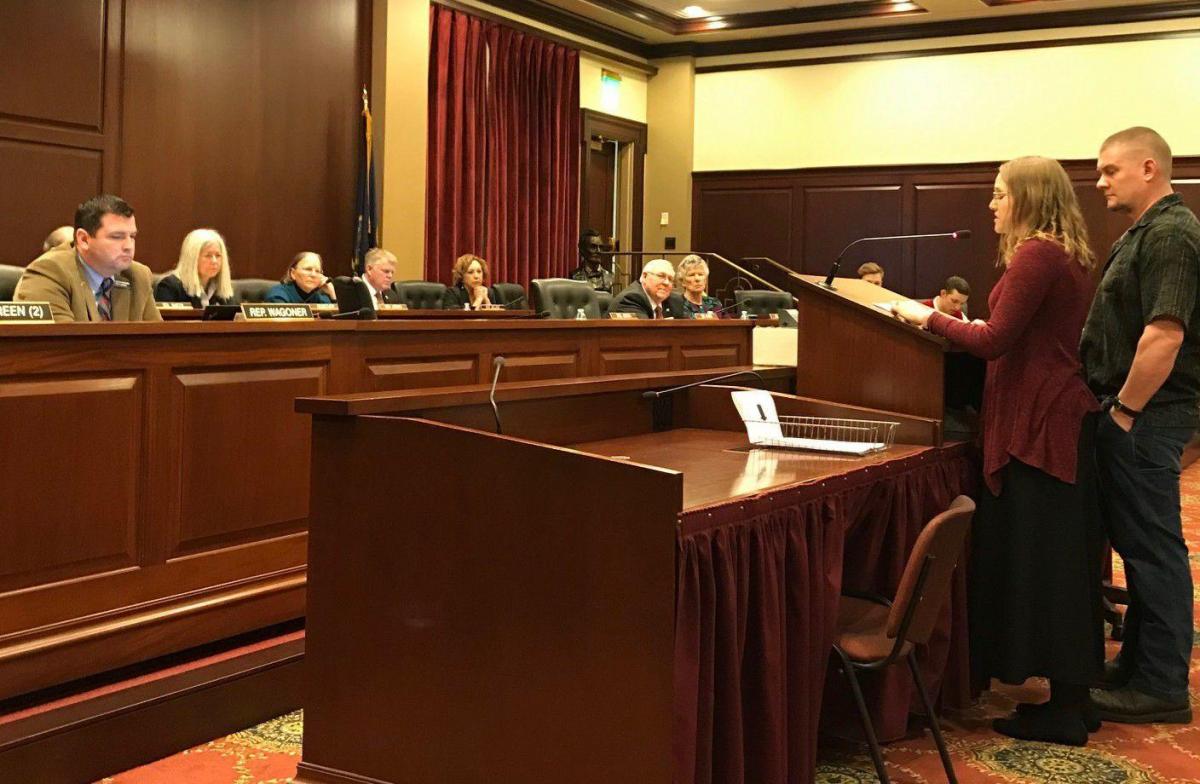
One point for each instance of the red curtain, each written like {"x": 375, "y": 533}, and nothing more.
{"x": 456, "y": 157}
{"x": 533, "y": 147}
{"x": 503, "y": 159}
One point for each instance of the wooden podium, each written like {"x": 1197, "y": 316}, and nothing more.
{"x": 501, "y": 608}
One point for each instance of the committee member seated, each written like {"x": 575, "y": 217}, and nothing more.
{"x": 59, "y": 238}
{"x": 304, "y": 283}
{"x": 692, "y": 274}
{"x": 651, "y": 297}
{"x": 590, "y": 269}
{"x": 468, "y": 290}
{"x": 953, "y": 298}
{"x": 871, "y": 273}
{"x": 97, "y": 280}
{"x": 379, "y": 270}
{"x": 201, "y": 276}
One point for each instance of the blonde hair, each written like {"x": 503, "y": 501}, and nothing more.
{"x": 1042, "y": 206}
{"x": 690, "y": 262}
{"x": 189, "y": 254}
{"x": 462, "y": 263}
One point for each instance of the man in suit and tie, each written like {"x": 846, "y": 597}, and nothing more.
{"x": 97, "y": 279}
{"x": 379, "y": 270}
{"x": 651, "y": 297}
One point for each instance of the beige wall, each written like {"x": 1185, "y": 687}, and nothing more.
{"x": 987, "y": 106}
{"x": 627, "y": 101}
{"x": 400, "y": 74}
{"x": 670, "y": 109}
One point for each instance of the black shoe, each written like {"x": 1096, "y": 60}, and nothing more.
{"x": 1091, "y": 719}
{"x": 1115, "y": 676}
{"x": 1130, "y": 706}
{"x": 1052, "y": 725}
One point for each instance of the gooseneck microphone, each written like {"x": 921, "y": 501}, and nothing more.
{"x": 961, "y": 234}
{"x": 512, "y": 305}
{"x": 655, "y": 394}
{"x": 362, "y": 314}
{"x": 498, "y": 363}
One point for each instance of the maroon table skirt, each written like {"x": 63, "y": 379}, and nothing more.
{"x": 757, "y": 586}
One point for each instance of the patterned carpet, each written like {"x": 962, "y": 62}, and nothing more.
{"x": 1117, "y": 754}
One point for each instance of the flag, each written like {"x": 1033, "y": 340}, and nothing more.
{"x": 366, "y": 215}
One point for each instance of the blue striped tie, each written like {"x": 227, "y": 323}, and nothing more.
{"x": 104, "y": 300}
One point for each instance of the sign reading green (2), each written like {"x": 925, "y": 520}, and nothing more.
{"x": 25, "y": 313}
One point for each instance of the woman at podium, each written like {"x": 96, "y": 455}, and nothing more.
{"x": 1036, "y": 543}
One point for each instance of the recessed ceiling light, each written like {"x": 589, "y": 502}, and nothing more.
{"x": 694, "y": 12}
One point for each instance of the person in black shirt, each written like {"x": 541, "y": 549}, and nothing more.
{"x": 468, "y": 291}
{"x": 590, "y": 269}
{"x": 201, "y": 277}
{"x": 1141, "y": 356}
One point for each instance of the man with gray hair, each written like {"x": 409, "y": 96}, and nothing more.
{"x": 379, "y": 269}
{"x": 651, "y": 297}
{"x": 1141, "y": 357}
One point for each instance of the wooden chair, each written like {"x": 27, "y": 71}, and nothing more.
{"x": 874, "y": 633}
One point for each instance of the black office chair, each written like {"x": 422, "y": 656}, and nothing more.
{"x": 762, "y": 303}
{"x": 562, "y": 298}
{"x": 155, "y": 277}
{"x": 420, "y": 294}
{"x": 9, "y": 275}
{"x": 605, "y": 300}
{"x": 251, "y": 290}
{"x": 510, "y": 295}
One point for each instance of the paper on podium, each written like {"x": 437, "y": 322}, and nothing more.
{"x": 763, "y": 427}
{"x": 756, "y": 407}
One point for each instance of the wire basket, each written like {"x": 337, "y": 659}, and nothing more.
{"x": 823, "y": 434}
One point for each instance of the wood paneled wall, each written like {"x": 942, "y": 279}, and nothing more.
{"x": 241, "y": 115}
{"x": 803, "y": 218}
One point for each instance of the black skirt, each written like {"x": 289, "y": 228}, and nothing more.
{"x": 1034, "y": 575}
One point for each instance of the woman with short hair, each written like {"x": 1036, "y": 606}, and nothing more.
{"x": 201, "y": 276}
{"x": 304, "y": 283}
{"x": 692, "y": 274}
{"x": 1037, "y": 538}
{"x": 468, "y": 289}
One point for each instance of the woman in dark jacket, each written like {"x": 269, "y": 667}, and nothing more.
{"x": 304, "y": 284}
{"x": 201, "y": 277}
{"x": 467, "y": 290}
{"x": 1035, "y": 604}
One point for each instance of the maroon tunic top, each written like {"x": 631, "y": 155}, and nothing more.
{"x": 1034, "y": 398}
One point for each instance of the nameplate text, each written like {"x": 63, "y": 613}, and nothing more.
{"x": 276, "y": 311}
{"x": 25, "y": 313}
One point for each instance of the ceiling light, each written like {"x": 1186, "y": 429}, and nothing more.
{"x": 694, "y": 12}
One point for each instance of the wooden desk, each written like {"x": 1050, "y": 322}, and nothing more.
{"x": 155, "y": 477}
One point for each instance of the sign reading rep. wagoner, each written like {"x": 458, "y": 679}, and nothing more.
{"x": 276, "y": 311}
{"x": 25, "y": 313}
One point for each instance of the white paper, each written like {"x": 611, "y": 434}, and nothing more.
{"x": 756, "y": 407}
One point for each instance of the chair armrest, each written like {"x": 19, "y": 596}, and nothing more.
{"x": 870, "y": 597}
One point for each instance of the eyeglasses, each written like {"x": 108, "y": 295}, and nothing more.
{"x": 662, "y": 276}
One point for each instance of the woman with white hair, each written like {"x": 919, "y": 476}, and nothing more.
{"x": 692, "y": 274}
{"x": 201, "y": 277}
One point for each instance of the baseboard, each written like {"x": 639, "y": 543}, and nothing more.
{"x": 309, "y": 773}
{"x": 88, "y": 740}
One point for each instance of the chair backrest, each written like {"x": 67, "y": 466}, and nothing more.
{"x": 925, "y": 584}
{"x": 9, "y": 275}
{"x": 562, "y": 298}
{"x": 420, "y": 294}
{"x": 757, "y": 302}
{"x": 155, "y": 277}
{"x": 509, "y": 294}
{"x": 251, "y": 289}
{"x": 605, "y": 301}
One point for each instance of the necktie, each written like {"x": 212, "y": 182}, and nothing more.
{"x": 658, "y": 312}
{"x": 104, "y": 300}
{"x": 379, "y": 297}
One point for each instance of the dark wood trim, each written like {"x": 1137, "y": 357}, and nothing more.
{"x": 625, "y": 131}
{"x": 570, "y": 23}
{"x": 1178, "y": 9}
{"x": 86, "y": 741}
{"x": 866, "y": 9}
{"x": 935, "y": 52}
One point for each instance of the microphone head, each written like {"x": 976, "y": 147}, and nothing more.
{"x": 498, "y": 362}
{"x": 962, "y": 234}
{"x": 649, "y": 394}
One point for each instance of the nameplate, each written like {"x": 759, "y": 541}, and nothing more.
{"x": 622, "y": 315}
{"x": 491, "y": 307}
{"x": 387, "y": 306}
{"x": 276, "y": 311}
{"x": 25, "y": 313}
{"x": 173, "y": 305}
{"x": 321, "y": 307}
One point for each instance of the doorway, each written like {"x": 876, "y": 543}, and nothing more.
{"x": 611, "y": 185}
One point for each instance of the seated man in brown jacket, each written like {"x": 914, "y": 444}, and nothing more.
{"x": 97, "y": 279}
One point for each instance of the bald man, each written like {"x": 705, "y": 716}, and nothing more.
{"x": 1141, "y": 356}
{"x": 62, "y": 237}
{"x": 651, "y": 297}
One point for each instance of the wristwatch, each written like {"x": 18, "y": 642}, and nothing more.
{"x": 1132, "y": 413}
